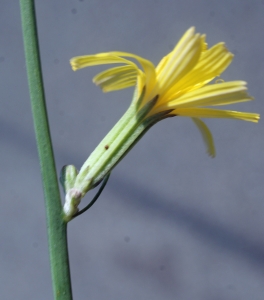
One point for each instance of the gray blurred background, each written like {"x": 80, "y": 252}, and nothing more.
{"x": 172, "y": 223}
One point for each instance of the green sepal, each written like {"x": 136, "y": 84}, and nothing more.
{"x": 144, "y": 127}
{"x": 142, "y": 113}
{"x": 112, "y": 146}
{"x": 150, "y": 121}
{"x": 68, "y": 176}
{"x": 131, "y": 138}
{"x": 113, "y": 134}
{"x": 141, "y": 97}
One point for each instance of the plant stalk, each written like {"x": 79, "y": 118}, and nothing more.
{"x": 57, "y": 227}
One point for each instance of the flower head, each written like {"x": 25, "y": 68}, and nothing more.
{"x": 177, "y": 86}
{"x": 180, "y": 80}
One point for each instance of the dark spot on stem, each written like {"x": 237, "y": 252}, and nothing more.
{"x": 106, "y": 147}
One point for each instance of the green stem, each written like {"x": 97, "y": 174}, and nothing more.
{"x": 57, "y": 228}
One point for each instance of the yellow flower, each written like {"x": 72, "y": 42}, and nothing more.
{"x": 178, "y": 86}
{"x": 180, "y": 80}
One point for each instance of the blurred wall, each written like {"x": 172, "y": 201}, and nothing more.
{"x": 172, "y": 223}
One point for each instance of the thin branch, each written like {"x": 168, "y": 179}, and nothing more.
{"x": 95, "y": 197}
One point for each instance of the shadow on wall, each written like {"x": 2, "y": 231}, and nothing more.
{"x": 201, "y": 225}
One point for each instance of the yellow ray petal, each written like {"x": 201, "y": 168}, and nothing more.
{"x": 120, "y": 77}
{"x": 207, "y": 136}
{"x": 79, "y": 62}
{"x": 123, "y": 83}
{"x": 181, "y": 60}
{"x": 216, "y": 113}
{"x": 147, "y": 66}
{"x": 124, "y": 71}
{"x": 162, "y": 63}
{"x": 111, "y": 77}
{"x": 213, "y": 94}
{"x": 204, "y": 44}
{"x": 211, "y": 64}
